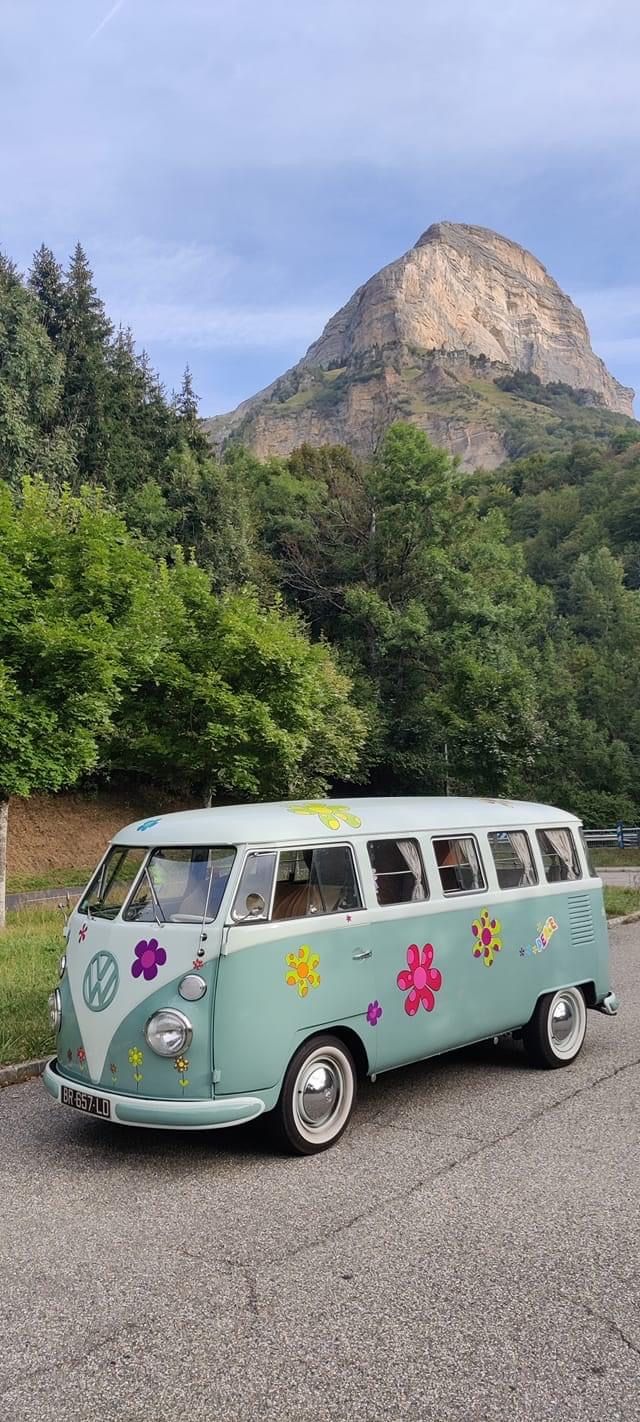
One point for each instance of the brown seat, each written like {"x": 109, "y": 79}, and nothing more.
{"x": 298, "y": 900}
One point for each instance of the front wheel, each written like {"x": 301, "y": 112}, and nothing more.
{"x": 317, "y": 1097}
{"x": 557, "y": 1029}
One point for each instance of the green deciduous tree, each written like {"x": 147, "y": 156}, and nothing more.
{"x": 239, "y": 703}
{"x": 77, "y": 619}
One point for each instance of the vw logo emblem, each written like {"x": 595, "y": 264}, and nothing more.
{"x": 100, "y": 982}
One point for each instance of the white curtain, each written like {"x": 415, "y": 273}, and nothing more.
{"x": 520, "y": 845}
{"x": 411, "y": 855}
{"x": 560, "y": 843}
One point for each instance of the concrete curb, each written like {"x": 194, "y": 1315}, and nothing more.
{"x": 22, "y": 1071}
{"x": 628, "y": 918}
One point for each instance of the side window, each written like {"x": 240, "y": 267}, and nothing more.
{"x": 588, "y": 855}
{"x": 253, "y": 894}
{"x": 513, "y": 859}
{"x": 459, "y": 863}
{"x": 315, "y": 881}
{"x": 398, "y": 870}
{"x": 559, "y": 855}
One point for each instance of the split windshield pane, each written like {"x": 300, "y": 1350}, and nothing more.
{"x": 182, "y": 885}
{"x": 111, "y": 886}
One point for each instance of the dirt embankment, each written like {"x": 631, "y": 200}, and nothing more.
{"x": 72, "y": 831}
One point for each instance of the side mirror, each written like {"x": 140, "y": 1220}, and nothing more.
{"x": 254, "y": 908}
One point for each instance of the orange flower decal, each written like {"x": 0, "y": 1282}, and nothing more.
{"x": 301, "y": 970}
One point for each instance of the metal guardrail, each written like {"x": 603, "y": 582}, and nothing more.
{"x": 622, "y": 836}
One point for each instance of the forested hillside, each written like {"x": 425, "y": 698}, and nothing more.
{"x": 245, "y": 628}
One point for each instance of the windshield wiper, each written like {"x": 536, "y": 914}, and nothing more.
{"x": 155, "y": 902}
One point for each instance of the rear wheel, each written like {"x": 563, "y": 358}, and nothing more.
{"x": 557, "y": 1030}
{"x": 317, "y": 1097}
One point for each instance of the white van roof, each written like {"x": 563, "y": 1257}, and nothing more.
{"x": 292, "y": 821}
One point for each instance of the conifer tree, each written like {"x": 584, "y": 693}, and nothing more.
{"x": 30, "y": 387}
{"x": 187, "y": 401}
{"x": 46, "y": 281}
{"x": 88, "y": 332}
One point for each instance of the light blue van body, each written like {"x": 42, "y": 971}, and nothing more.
{"x": 397, "y": 981}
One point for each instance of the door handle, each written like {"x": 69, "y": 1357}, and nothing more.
{"x": 363, "y": 953}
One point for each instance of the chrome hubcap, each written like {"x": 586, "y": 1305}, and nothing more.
{"x": 322, "y": 1095}
{"x": 318, "y": 1093}
{"x": 567, "y": 1023}
{"x": 562, "y": 1021}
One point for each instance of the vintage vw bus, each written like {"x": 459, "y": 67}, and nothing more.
{"x": 228, "y": 962}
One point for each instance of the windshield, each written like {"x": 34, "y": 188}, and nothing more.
{"x": 182, "y": 885}
{"x": 111, "y": 886}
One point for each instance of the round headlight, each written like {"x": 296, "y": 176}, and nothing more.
{"x": 168, "y": 1032}
{"x": 192, "y": 988}
{"x": 55, "y": 1010}
{"x": 62, "y": 965}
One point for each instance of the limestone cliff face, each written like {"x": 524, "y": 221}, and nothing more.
{"x": 425, "y": 340}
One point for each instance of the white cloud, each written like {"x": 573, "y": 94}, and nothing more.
{"x": 225, "y": 327}
{"x": 186, "y": 294}
{"x": 222, "y": 82}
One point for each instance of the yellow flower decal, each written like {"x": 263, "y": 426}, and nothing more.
{"x": 135, "y": 1056}
{"x": 486, "y": 930}
{"x": 332, "y": 816}
{"x": 181, "y": 1064}
{"x": 302, "y": 970}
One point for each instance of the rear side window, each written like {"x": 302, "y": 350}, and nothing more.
{"x": 513, "y": 859}
{"x": 459, "y": 864}
{"x": 398, "y": 870}
{"x": 315, "y": 881}
{"x": 559, "y": 855}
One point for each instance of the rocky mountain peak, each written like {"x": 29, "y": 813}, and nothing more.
{"x": 413, "y": 338}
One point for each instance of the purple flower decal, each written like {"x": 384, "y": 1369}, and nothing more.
{"x": 149, "y": 957}
{"x": 374, "y": 1013}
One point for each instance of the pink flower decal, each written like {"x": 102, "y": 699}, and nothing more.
{"x": 83, "y": 933}
{"x": 421, "y": 978}
{"x": 81, "y": 1055}
{"x": 149, "y": 957}
{"x": 374, "y": 1013}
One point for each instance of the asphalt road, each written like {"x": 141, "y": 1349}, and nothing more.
{"x": 469, "y": 1251}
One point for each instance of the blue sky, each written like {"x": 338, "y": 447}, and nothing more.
{"x": 235, "y": 168}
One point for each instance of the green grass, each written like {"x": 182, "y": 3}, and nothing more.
{"x": 613, "y": 858}
{"x": 619, "y": 902}
{"x": 50, "y": 879}
{"x": 29, "y": 953}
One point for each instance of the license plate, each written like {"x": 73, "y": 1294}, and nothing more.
{"x": 93, "y": 1105}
